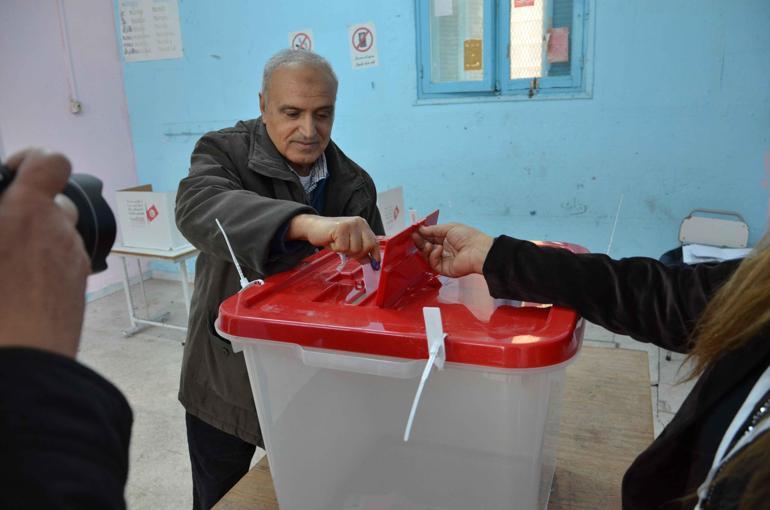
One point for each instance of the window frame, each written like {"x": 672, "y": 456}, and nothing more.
{"x": 496, "y": 38}
{"x": 488, "y": 56}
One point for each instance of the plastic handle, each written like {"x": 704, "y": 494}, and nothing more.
{"x": 360, "y": 364}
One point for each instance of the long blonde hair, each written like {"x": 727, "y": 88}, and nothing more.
{"x": 739, "y": 311}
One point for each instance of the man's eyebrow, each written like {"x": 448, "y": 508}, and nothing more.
{"x": 287, "y": 107}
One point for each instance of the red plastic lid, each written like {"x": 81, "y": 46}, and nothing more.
{"x": 317, "y": 305}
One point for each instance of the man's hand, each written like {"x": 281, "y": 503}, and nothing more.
{"x": 350, "y": 236}
{"x": 453, "y": 249}
{"x": 42, "y": 258}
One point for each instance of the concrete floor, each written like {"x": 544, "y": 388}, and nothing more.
{"x": 146, "y": 368}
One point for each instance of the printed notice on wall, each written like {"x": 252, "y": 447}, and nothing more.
{"x": 150, "y": 29}
{"x": 472, "y": 55}
{"x": 363, "y": 45}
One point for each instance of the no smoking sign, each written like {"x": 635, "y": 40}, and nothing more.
{"x": 301, "y": 40}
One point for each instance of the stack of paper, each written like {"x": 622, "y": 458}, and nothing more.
{"x": 696, "y": 253}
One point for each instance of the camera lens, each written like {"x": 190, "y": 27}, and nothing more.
{"x": 96, "y": 223}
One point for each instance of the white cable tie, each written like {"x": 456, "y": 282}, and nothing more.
{"x": 242, "y": 279}
{"x": 437, "y": 356}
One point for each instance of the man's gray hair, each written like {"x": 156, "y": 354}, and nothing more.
{"x": 292, "y": 57}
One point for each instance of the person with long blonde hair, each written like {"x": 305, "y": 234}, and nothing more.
{"x": 715, "y": 452}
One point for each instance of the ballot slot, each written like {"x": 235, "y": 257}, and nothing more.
{"x": 350, "y": 282}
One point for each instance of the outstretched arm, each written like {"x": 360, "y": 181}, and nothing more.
{"x": 639, "y": 296}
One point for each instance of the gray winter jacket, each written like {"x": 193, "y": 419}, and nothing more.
{"x": 238, "y": 176}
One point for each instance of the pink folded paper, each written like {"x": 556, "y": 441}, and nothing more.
{"x": 558, "y": 45}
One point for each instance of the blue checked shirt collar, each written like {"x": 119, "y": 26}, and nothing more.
{"x": 318, "y": 173}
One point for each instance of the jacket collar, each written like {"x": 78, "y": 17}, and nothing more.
{"x": 265, "y": 159}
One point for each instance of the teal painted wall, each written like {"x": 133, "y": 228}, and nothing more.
{"x": 679, "y": 117}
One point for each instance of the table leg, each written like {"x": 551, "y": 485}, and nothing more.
{"x": 141, "y": 285}
{"x": 127, "y": 289}
{"x": 138, "y": 324}
{"x": 185, "y": 285}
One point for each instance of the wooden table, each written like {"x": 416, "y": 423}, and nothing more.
{"x": 606, "y": 421}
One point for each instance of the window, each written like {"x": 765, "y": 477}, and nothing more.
{"x": 501, "y": 48}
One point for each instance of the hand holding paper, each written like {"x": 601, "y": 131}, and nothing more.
{"x": 349, "y": 236}
{"x": 453, "y": 249}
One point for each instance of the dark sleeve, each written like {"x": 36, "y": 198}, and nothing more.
{"x": 280, "y": 246}
{"x": 213, "y": 190}
{"x": 639, "y": 297}
{"x": 64, "y": 434}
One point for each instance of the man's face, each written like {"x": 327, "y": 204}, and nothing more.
{"x": 298, "y": 111}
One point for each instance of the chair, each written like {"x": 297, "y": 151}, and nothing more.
{"x": 711, "y": 227}
{"x": 703, "y": 226}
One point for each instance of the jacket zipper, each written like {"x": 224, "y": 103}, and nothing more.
{"x": 759, "y": 414}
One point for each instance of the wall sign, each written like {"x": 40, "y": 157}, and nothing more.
{"x": 362, "y": 38}
{"x": 150, "y": 29}
{"x": 301, "y": 40}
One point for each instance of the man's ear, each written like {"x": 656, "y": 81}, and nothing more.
{"x": 261, "y": 103}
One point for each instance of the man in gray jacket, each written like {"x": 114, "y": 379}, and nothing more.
{"x": 281, "y": 188}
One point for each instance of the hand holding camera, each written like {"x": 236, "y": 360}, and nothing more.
{"x": 45, "y": 248}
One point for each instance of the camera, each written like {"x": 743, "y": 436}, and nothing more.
{"x": 96, "y": 223}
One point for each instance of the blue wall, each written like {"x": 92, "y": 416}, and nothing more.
{"x": 679, "y": 118}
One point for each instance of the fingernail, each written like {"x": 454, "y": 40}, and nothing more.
{"x": 375, "y": 265}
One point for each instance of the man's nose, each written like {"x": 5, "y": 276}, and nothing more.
{"x": 308, "y": 127}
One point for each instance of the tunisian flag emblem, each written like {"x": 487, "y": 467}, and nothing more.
{"x": 152, "y": 213}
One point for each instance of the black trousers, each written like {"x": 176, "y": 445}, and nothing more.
{"x": 218, "y": 461}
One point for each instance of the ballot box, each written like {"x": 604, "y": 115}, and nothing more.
{"x": 399, "y": 389}
{"x": 146, "y": 219}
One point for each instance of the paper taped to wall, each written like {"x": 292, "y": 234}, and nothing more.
{"x": 150, "y": 29}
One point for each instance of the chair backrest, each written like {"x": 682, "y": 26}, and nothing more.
{"x": 696, "y": 228}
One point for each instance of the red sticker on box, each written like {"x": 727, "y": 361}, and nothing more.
{"x": 152, "y": 213}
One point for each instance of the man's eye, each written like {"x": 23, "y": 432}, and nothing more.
{"x": 292, "y": 115}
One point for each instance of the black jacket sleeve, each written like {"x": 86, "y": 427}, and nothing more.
{"x": 64, "y": 434}
{"x": 639, "y": 297}
{"x": 213, "y": 190}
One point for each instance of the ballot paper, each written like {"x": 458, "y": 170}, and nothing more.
{"x": 696, "y": 253}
